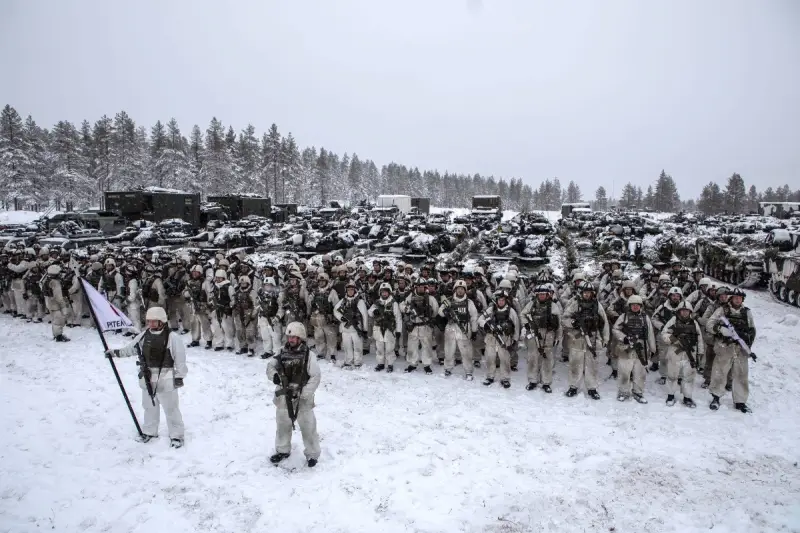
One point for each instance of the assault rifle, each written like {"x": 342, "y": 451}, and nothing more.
{"x": 590, "y": 342}
{"x": 291, "y": 391}
{"x": 536, "y": 336}
{"x": 146, "y": 374}
{"x": 735, "y": 336}
{"x": 410, "y": 317}
{"x": 686, "y": 343}
{"x": 495, "y": 330}
{"x": 638, "y": 347}
{"x": 448, "y": 314}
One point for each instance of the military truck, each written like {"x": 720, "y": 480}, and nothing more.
{"x": 155, "y": 205}
{"x": 241, "y": 206}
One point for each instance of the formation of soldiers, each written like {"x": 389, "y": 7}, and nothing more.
{"x": 669, "y": 320}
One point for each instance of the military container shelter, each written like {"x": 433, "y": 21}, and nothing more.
{"x": 487, "y": 202}
{"x": 155, "y": 205}
{"x": 423, "y": 205}
{"x": 242, "y": 206}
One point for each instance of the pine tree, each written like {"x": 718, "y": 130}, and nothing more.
{"x": 322, "y": 176}
{"x": 712, "y": 200}
{"x": 666, "y": 196}
{"x": 649, "y": 198}
{"x": 215, "y": 173}
{"x": 628, "y": 198}
{"x": 271, "y": 158}
{"x": 573, "y": 193}
{"x": 70, "y": 182}
{"x": 246, "y": 160}
{"x": 39, "y": 169}
{"x": 752, "y": 199}
{"x": 600, "y": 199}
{"x": 14, "y": 162}
{"x": 290, "y": 163}
{"x": 735, "y": 195}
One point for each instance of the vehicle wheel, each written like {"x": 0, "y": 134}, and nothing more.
{"x": 783, "y": 294}
{"x": 793, "y": 298}
{"x": 773, "y": 286}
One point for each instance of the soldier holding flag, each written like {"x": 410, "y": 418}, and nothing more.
{"x": 162, "y": 368}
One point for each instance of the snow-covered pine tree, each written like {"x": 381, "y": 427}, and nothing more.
{"x": 215, "y": 172}
{"x": 39, "y": 168}
{"x": 322, "y": 176}
{"x": 601, "y": 199}
{"x": 196, "y": 156}
{"x": 171, "y": 166}
{"x": 70, "y": 182}
{"x": 246, "y": 161}
{"x": 290, "y": 164}
{"x": 14, "y": 162}
{"x": 573, "y": 193}
{"x": 270, "y": 161}
{"x": 736, "y": 195}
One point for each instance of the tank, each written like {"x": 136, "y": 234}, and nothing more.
{"x": 782, "y": 263}
{"x": 741, "y": 264}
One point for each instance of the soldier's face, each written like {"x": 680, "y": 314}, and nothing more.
{"x": 684, "y": 314}
{"x": 636, "y": 308}
{"x": 628, "y": 292}
{"x": 587, "y": 295}
{"x": 461, "y": 292}
{"x": 321, "y": 283}
{"x": 736, "y": 301}
{"x": 723, "y": 299}
{"x": 542, "y": 296}
{"x": 155, "y": 325}
{"x": 384, "y": 294}
{"x": 501, "y": 301}
{"x": 351, "y": 292}
{"x": 196, "y": 275}
{"x": 293, "y": 341}
{"x": 674, "y": 298}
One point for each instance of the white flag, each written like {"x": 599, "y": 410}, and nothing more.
{"x": 108, "y": 316}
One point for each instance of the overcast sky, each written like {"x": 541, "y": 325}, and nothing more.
{"x": 601, "y": 92}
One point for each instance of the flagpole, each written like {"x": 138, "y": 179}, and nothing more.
{"x": 111, "y": 360}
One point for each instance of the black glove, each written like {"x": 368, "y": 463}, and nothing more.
{"x": 397, "y": 336}
{"x": 178, "y": 383}
{"x": 25, "y": 296}
{"x": 474, "y": 336}
{"x": 487, "y": 328}
{"x": 753, "y": 357}
{"x": 627, "y": 340}
{"x": 276, "y": 379}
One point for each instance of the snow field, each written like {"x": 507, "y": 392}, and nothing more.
{"x": 18, "y": 217}
{"x": 400, "y": 452}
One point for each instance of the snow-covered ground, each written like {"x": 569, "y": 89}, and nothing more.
{"x": 18, "y": 217}
{"x": 400, "y": 453}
